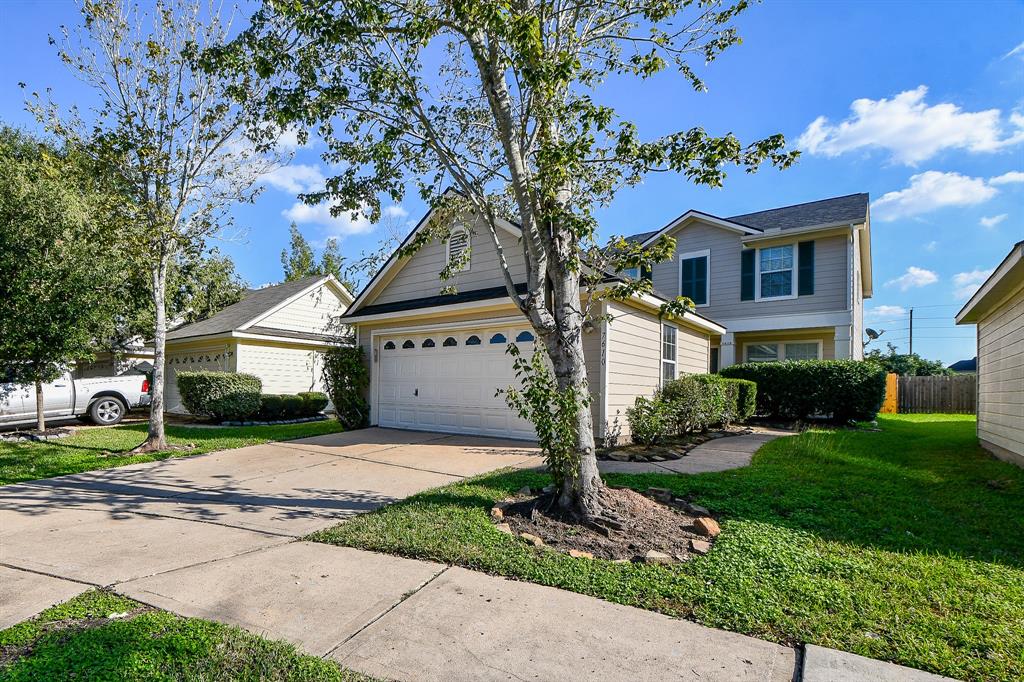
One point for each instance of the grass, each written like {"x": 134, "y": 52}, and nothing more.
{"x": 77, "y": 640}
{"x": 103, "y": 448}
{"x": 905, "y": 545}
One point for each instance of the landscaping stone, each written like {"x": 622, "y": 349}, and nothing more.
{"x": 575, "y": 553}
{"x": 619, "y": 456}
{"x": 504, "y": 528}
{"x": 660, "y": 494}
{"x": 497, "y": 514}
{"x": 525, "y": 490}
{"x": 653, "y": 556}
{"x": 697, "y": 510}
{"x": 532, "y": 539}
{"x": 700, "y": 546}
{"x": 548, "y": 488}
{"x": 707, "y": 526}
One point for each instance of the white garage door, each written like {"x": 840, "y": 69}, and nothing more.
{"x": 446, "y": 381}
{"x": 211, "y": 360}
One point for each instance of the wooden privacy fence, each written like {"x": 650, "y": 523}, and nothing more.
{"x": 957, "y": 393}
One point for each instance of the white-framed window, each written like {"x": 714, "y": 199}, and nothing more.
{"x": 779, "y": 351}
{"x": 668, "y": 353}
{"x": 776, "y": 266}
{"x": 632, "y": 273}
{"x": 458, "y": 243}
{"x": 695, "y": 276}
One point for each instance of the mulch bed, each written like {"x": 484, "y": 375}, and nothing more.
{"x": 648, "y": 526}
{"x": 674, "y": 447}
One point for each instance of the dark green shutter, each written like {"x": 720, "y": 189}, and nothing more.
{"x": 805, "y": 275}
{"x": 686, "y": 283}
{"x": 747, "y": 274}
{"x": 700, "y": 280}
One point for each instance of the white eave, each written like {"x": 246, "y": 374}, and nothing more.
{"x": 703, "y": 217}
{"x": 1006, "y": 280}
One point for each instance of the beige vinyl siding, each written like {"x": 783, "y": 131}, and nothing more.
{"x": 420, "y": 277}
{"x": 831, "y": 278}
{"x": 634, "y": 358}
{"x": 192, "y": 357}
{"x": 312, "y": 312}
{"x": 281, "y": 368}
{"x": 1001, "y": 375}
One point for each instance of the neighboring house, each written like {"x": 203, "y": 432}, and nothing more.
{"x": 965, "y": 366}
{"x": 788, "y": 283}
{"x": 134, "y": 358}
{"x": 998, "y": 310}
{"x": 436, "y": 361}
{"x": 279, "y": 333}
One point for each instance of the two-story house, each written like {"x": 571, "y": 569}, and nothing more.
{"x": 788, "y": 283}
{"x": 781, "y": 284}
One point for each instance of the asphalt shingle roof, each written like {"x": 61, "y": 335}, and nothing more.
{"x": 255, "y": 302}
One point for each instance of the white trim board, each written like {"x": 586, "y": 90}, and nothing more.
{"x": 785, "y": 322}
{"x": 704, "y": 217}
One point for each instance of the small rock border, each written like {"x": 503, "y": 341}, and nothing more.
{"x": 24, "y": 436}
{"x": 669, "y": 452}
{"x": 301, "y": 420}
{"x": 704, "y": 523}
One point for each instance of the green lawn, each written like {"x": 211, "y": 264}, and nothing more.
{"x": 102, "y": 448}
{"x": 905, "y": 545}
{"x": 77, "y": 641}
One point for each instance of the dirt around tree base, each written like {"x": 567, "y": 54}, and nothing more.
{"x": 651, "y": 531}
{"x": 672, "y": 448}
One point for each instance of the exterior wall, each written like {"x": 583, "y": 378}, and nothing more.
{"x": 420, "y": 276}
{"x": 311, "y": 313}
{"x": 283, "y": 368}
{"x": 634, "y": 359}
{"x": 825, "y": 335}
{"x": 1001, "y": 379}
{"x": 857, "y": 335}
{"x": 831, "y": 275}
{"x": 184, "y": 356}
{"x": 108, "y": 365}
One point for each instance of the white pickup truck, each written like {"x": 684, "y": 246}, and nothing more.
{"x": 104, "y": 400}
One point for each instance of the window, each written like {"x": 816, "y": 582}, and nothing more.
{"x": 632, "y": 273}
{"x": 473, "y": 340}
{"x": 449, "y": 342}
{"x": 802, "y": 351}
{"x": 693, "y": 276}
{"x": 776, "y": 271}
{"x": 458, "y": 244}
{"x": 428, "y": 343}
{"x": 762, "y": 352}
{"x": 668, "y": 353}
{"x": 498, "y": 338}
{"x": 524, "y": 337}
{"x": 408, "y": 344}
{"x": 772, "y": 352}
{"x": 390, "y": 345}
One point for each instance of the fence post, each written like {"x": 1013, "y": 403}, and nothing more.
{"x": 891, "y": 403}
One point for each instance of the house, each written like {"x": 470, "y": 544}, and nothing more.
{"x": 997, "y": 308}
{"x": 789, "y": 283}
{"x": 436, "y": 359}
{"x": 279, "y": 333}
{"x": 965, "y": 366}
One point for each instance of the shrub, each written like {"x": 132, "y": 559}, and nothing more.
{"x": 313, "y": 403}
{"x": 292, "y": 406}
{"x": 840, "y": 389}
{"x": 650, "y": 420}
{"x": 695, "y": 402}
{"x": 220, "y": 395}
{"x": 745, "y": 398}
{"x": 347, "y": 377}
{"x": 271, "y": 407}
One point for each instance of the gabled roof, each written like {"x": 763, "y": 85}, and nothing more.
{"x": 965, "y": 365}
{"x": 1004, "y": 280}
{"x": 257, "y": 303}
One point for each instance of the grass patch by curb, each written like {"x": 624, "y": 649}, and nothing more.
{"x": 80, "y": 640}
{"x": 905, "y": 545}
{"x": 104, "y": 448}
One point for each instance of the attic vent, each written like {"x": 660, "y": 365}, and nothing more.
{"x": 458, "y": 243}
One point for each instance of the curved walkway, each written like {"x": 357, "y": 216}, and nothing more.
{"x": 720, "y": 454}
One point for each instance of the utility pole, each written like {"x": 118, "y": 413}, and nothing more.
{"x": 911, "y": 331}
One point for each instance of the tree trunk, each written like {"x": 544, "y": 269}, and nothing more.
{"x": 40, "y": 412}
{"x": 156, "y": 440}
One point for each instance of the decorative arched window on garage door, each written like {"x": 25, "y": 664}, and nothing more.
{"x": 408, "y": 344}
{"x": 498, "y": 338}
{"x": 449, "y": 342}
{"x": 428, "y": 343}
{"x": 524, "y": 337}
{"x": 474, "y": 340}
{"x": 390, "y": 345}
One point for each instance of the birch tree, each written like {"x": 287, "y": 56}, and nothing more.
{"x": 172, "y": 132}
{"x": 502, "y": 102}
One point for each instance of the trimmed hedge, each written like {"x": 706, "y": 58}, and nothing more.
{"x": 693, "y": 402}
{"x": 284, "y": 406}
{"x": 314, "y": 402}
{"x": 840, "y": 389}
{"x": 220, "y": 395}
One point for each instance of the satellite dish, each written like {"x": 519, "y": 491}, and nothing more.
{"x": 872, "y": 334}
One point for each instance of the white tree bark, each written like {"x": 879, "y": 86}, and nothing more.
{"x": 156, "y": 439}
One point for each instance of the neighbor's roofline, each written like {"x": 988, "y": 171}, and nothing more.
{"x": 1014, "y": 259}
{"x": 326, "y": 279}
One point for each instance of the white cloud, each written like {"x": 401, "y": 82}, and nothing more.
{"x": 966, "y": 283}
{"x": 913, "y": 278}
{"x": 1017, "y": 50}
{"x": 929, "y": 191}
{"x": 911, "y": 130}
{"x": 296, "y": 178}
{"x": 988, "y": 222}
{"x": 1010, "y": 178}
{"x": 395, "y": 211}
{"x": 931, "y": 246}
{"x": 884, "y": 312}
{"x": 320, "y": 214}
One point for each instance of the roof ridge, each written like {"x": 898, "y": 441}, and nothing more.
{"x": 801, "y": 203}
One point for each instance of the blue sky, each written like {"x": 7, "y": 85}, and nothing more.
{"x": 919, "y": 104}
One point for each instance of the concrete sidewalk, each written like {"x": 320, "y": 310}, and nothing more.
{"x": 720, "y": 454}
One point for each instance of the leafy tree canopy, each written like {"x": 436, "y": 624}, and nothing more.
{"x": 906, "y": 364}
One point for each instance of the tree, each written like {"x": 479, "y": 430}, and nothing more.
{"x": 200, "y": 284}
{"x": 906, "y": 364}
{"x": 170, "y": 131}
{"x": 500, "y": 101}
{"x": 61, "y": 271}
{"x": 298, "y": 260}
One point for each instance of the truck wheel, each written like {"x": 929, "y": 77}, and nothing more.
{"x": 107, "y": 410}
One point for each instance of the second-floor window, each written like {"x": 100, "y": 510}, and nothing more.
{"x": 776, "y": 271}
{"x": 693, "y": 276}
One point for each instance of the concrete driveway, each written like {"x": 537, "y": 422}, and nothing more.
{"x": 108, "y": 527}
